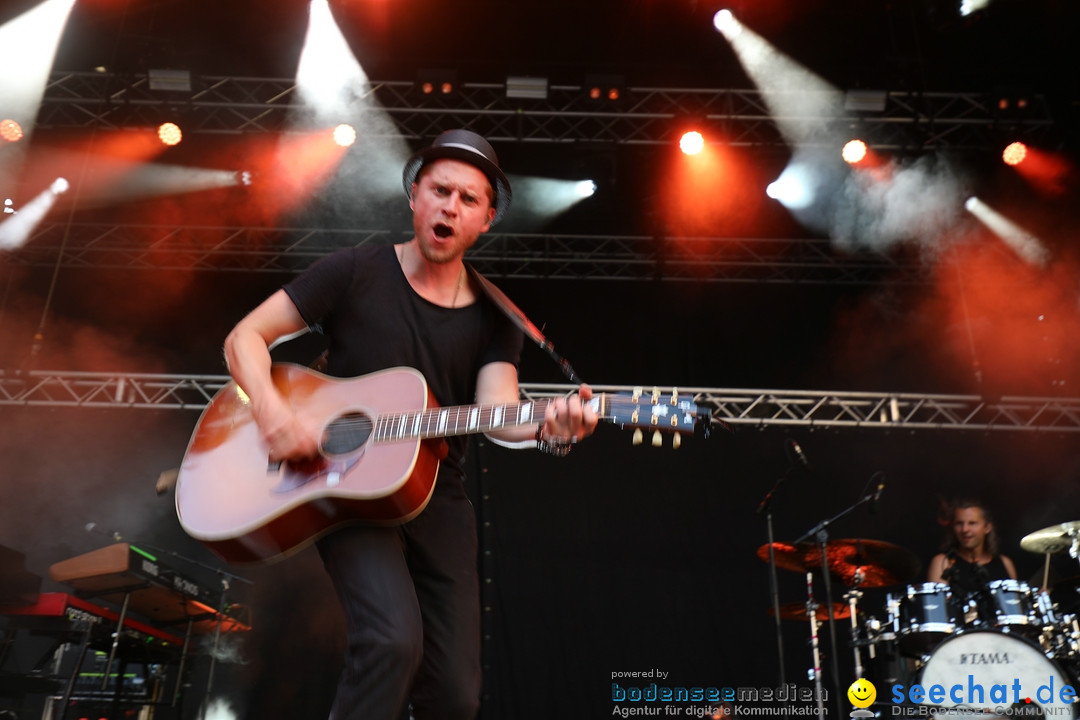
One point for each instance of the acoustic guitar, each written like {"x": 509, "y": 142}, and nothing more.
{"x": 381, "y": 443}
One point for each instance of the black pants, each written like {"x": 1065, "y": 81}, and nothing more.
{"x": 411, "y": 596}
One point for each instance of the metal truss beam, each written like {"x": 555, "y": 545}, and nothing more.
{"x": 807, "y": 408}
{"x": 607, "y": 257}
{"x": 643, "y": 115}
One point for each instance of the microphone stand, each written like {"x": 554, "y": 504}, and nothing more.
{"x": 225, "y": 577}
{"x": 774, "y": 589}
{"x": 821, "y": 532}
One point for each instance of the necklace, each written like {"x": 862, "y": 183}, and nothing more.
{"x": 461, "y": 275}
{"x": 460, "y": 282}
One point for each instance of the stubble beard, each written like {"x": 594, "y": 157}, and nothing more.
{"x": 445, "y": 254}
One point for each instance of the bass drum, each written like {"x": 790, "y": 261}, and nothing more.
{"x": 985, "y": 658}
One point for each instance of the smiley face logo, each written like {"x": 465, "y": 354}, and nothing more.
{"x": 862, "y": 693}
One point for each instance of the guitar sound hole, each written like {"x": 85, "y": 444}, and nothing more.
{"x": 346, "y": 434}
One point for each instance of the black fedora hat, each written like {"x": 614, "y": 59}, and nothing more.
{"x": 466, "y": 146}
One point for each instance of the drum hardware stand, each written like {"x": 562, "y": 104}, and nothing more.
{"x": 821, "y": 533}
{"x": 225, "y": 579}
{"x": 765, "y": 507}
{"x": 217, "y": 639}
{"x": 853, "y": 596}
{"x": 815, "y": 671}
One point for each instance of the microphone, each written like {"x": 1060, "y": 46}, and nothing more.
{"x": 800, "y": 456}
{"x": 92, "y": 527}
{"x": 948, "y": 572}
{"x": 876, "y": 500}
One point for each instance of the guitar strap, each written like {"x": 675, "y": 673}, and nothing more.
{"x": 523, "y": 323}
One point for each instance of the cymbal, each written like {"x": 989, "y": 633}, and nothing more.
{"x": 797, "y": 611}
{"x": 791, "y": 557}
{"x": 1052, "y": 539}
{"x": 880, "y": 563}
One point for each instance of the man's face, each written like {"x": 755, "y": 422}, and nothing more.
{"x": 451, "y": 205}
{"x": 971, "y": 528}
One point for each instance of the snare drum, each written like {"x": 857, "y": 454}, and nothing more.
{"x": 925, "y": 616}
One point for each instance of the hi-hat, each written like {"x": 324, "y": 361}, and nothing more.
{"x": 855, "y": 562}
{"x": 1052, "y": 539}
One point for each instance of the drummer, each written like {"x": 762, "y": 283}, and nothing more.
{"x": 970, "y": 558}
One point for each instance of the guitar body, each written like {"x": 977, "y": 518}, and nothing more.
{"x": 247, "y": 510}
{"x": 382, "y": 439}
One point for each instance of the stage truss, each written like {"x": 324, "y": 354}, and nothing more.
{"x": 906, "y": 121}
{"x": 645, "y": 116}
{"x": 519, "y": 255}
{"x": 731, "y": 407}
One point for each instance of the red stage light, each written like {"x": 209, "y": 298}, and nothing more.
{"x": 10, "y": 130}
{"x": 1014, "y": 153}
{"x": 692, "y": 142}
{"x": 169, "y": 133}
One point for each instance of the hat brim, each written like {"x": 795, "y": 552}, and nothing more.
{"x": 495, "y": 176}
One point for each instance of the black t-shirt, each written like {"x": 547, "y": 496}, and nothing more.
{"x": 374, "y": 320}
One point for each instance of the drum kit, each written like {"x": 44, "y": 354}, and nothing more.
{"x": 927, "y": 634}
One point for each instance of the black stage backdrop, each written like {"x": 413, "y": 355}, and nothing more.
{"x": 617, "y": 559}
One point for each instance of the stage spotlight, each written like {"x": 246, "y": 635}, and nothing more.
{"x": 436, "y": 82}
{"x": 692, "y": 142}
{"x": 244, "y": 177}
{"x": 854, "y": 151}
{"x": 10, "y": 130}
{"x": 344, "y": 135}
{"x": 59, "y": 186}
{"x": 968, "y": 7}
{"x": 794, "y": 189}
{"x": 725, "y": 23}
{"x": 16, "y": 229}
{"x": 170, "y": 134}
{"x": 1022, "y": 242}
{"x": 1014, "y": 153}
{"x": 585, "y": 188}
{"x": 604, "y": 88}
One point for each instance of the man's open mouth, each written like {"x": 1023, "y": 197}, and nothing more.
{"x": 443, "y": 231}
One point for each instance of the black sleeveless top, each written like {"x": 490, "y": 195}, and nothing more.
{"x": 968, "y": 577}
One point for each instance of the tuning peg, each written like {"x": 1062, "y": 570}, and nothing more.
{"x": 638, "y": 437}
{"x": 676, "y": 441}
{"x": 657, "y": 439}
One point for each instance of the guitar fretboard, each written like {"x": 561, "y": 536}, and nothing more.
{"x": 457, "y": 420}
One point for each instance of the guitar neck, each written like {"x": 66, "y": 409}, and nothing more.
{"x": 462, "y": 420}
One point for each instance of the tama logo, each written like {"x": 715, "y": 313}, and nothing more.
{"x": 998, "y": 658}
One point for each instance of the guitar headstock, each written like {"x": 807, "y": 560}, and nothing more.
{"x": 656, "y": 411}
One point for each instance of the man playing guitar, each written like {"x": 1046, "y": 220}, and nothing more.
{"x": 410, "y": 592}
